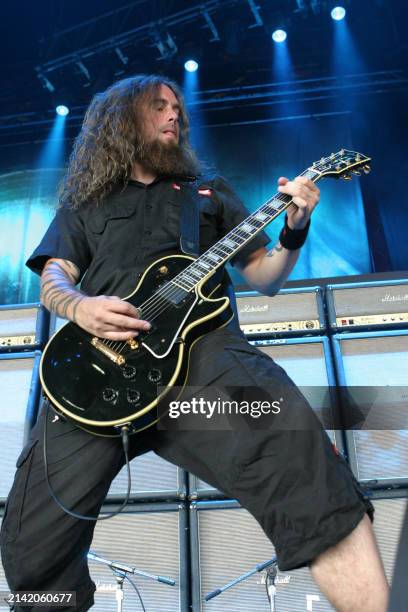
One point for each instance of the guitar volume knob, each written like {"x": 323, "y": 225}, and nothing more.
{"x": 154, "y": 375}
{"x": 132, "y": 396}
{"x": 129, "y": 371}
{"x": 109, "y": 394}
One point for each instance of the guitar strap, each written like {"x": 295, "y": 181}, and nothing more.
{"x": 189, "y": 196}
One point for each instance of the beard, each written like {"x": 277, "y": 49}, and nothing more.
{"x": 167, "y": 159}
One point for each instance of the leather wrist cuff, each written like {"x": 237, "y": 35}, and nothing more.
{"x": 293, "y": 239}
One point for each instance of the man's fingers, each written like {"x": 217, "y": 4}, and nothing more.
{"x": 121, "y": 321}
{"x": 123, "y": 307}
{"x": 300, "y": 202}
{"x": 298, "y": 190}
{"x": 117, "y": 335}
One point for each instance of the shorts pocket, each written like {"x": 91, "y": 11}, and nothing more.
{"x": 15, "y": 501}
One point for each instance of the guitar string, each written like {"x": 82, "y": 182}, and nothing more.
{"x": 280, "y": 196}
{"x": 174, "y": 289}
{"x": 160, "y": 303}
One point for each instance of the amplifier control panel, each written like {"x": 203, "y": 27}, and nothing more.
{"x": 14, "y": 341}
{"x": 377, "y": 319}
{"x": 256, "y": 329}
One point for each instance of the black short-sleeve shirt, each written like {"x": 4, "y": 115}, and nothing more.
{"x": 112, "y": 243}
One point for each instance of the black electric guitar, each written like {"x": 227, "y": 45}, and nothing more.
{"x": 103, "y": 384}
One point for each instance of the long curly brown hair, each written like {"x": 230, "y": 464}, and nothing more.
{"x": 106, "y": 147}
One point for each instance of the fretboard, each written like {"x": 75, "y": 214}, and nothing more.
{"x": 236, "y": 239}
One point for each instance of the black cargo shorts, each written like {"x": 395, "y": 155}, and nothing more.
{"x": 284, "y": 471}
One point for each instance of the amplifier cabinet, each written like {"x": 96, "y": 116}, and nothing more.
{"x": 309, "y": 364}
{"x": 369, "y": 306}
{"x": 226, "y": 542}
{"x": 20, "y": 392}
{"x": 149, "y": 537}
{"x": 373, "y": 368}
{"x": 23, "y": 327}
{"x": 291, "y": 312}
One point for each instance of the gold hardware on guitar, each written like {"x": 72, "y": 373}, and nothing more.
{"x": 132, "y": 343}
{"x": 108, "y": 352}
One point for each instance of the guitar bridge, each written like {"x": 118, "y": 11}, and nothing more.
{"x": 107, "y": 351}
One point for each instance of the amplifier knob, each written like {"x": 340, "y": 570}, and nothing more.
{"x": 154, "y": 375}
{"x": 132, "y": 396}
{"x": 109, "y": 395}
{"x": 309, "y": 325}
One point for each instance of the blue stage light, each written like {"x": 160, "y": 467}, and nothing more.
{"x": 279, "y": 36}
{"x": 62, "y": 110}
{"x": 191, "y": 65}
{"x": 338, "y": 13}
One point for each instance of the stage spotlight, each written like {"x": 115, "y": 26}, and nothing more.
{"x": 62, "y": 110}
{"x": 338, "y": 13}
{"x": 279, "y": 36}
{"x": 191, "y": 66}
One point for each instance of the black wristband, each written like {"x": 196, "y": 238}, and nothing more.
{"x": 292, "y": 239}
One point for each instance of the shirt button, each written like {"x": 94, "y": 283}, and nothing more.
{"x": 148, "y": 232}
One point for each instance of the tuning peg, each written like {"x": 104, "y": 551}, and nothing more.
{"x": 356, "y": 172}
{"x": 347, "y": 177}
{"x": 366, "y": 169}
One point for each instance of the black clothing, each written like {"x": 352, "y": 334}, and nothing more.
{"x": 114, "y": 242}
{"x": 292, "y": 481}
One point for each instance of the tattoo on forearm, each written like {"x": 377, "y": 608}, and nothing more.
{"x": 69, "y": 270}
{"x": 57, "y": 288}
{"x": 276, "y": 249}
{"x": 58, "y": 302}
{"x": 52, "y": 274}
{"x": 75, "y": 306}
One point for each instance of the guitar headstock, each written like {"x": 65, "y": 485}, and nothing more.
{"x": 342, "y": 164}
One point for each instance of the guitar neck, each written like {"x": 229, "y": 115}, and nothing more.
{"x": 236, "y": 239}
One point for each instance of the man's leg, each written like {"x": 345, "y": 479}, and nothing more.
{"x": 292, "y": 481}
{"x": 351, "y": 574}
{"x": 42, "y": 547}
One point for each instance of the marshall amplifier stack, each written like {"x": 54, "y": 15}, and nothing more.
{"x": 370, "y": 351}
{"x": 23, "y": 332}
{"x": 292, "y": 312}
{"x": 373, "y": 305}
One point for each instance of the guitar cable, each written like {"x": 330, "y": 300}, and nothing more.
{"x": 124, "y": 432}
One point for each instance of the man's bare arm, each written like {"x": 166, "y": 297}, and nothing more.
{"x": 58, "y": 295}
{"x": 103, "y": 316}
{"x": 266, "y": 271}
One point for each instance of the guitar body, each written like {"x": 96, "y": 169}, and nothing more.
{"x": 102, "y": 384}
